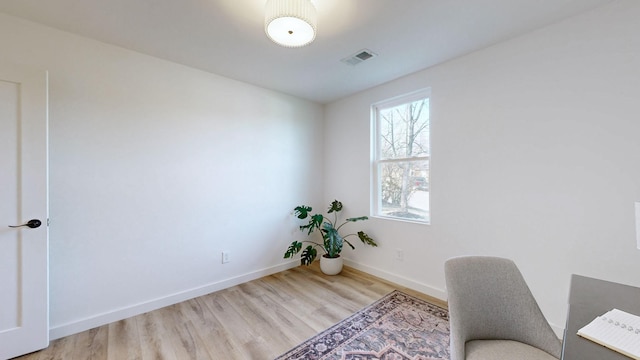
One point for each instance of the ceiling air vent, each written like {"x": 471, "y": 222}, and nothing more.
{"x": 359, "y": 57}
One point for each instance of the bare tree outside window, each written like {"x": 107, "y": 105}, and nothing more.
{"x": 401, "y": 164}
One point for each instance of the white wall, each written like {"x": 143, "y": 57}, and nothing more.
{"x": 155, "y": 169}
{"x": 535, "y": 157}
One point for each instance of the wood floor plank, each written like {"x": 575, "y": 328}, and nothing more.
{"x": 183, "y": 335}
{"x": 153, "y": 336}
{"x": 124, "y": 340}
{"x": 61, "y": 349}
{"x": 91, "y": 344}
{"x": 235, "y": 326}
{"x": 257, "y": 320}
{"x": 220, "y": 342}
{"x": 288, "y": 325}
{"x": 252, "y": 309}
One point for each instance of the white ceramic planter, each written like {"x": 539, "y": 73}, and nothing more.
{"x": 331, "y": 266}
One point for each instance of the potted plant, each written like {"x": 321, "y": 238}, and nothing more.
{"x": 332, "y": 241}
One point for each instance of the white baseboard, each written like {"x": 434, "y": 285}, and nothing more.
{"x": 75, "y": 327}
{"x": 400, "y": 280}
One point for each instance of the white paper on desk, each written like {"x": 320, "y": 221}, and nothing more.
{"x": 617, "y": 330}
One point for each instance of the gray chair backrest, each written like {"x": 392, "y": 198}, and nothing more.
{"x": 490, "y": 300}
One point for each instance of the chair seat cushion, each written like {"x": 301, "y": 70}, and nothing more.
{"x": 503, "y": 350}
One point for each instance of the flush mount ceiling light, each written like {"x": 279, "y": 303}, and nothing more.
{"x": 290, "y": 23}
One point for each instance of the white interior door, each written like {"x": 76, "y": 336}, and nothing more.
{"x": 24, "y": 290}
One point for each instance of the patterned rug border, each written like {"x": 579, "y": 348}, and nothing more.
{"x": 305, "y": 349}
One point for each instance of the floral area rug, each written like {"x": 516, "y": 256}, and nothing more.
{"x": 398, "y": 327}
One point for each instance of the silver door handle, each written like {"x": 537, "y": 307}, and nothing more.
{"x": 33, "y": 223}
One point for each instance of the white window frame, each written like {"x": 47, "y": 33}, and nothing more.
{"x": 375, "y": 185}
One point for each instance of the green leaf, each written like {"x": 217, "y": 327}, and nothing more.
{"x": 308, "y": 255}
{"x": 317, "y": 220}
{"x": 332, "y": 240}
{"x": 314, "y": 223}
{"x": 335, "y": 206}
{"x": 357, "y": 218}
{"x": 293, "y": 249}
{"x": 302, "y": 211}
{"x": 366, "y": 239}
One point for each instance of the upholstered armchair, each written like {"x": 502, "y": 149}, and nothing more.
{"x": 493, "y": 315}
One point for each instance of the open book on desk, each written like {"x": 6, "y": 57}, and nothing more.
{"x": 617, "y": 330}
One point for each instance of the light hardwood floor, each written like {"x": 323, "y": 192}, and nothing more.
{"x": 260, "y": 319}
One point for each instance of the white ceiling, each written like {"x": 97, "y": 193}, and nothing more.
{"x": 226, "y": 37}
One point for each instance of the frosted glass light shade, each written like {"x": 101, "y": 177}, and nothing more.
{"x": 290, "y": 23}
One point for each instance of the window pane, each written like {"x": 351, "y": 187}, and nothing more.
{"x": 404, "y": 190}
{"x": 404, "y": 130}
